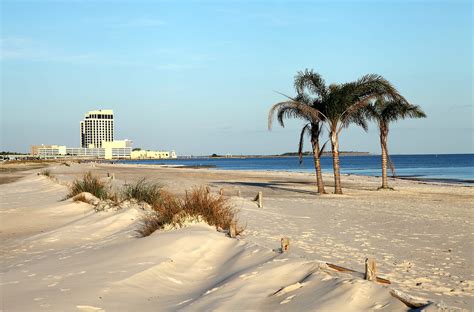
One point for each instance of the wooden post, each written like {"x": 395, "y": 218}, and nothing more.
{"x": 113, "y": 176}
{"x": 208, "y": 189}
{"x": 233, "y": 229}
{"x": 260, "y": 199}
{"x": 221, "y": 192}
{"x": 285, "y": 244}
{"x": 370, "y": 269}
{"x": 239, "y": 193}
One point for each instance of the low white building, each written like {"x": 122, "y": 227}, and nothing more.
{"x": 147, "y": 154}
{"x": 121, "y": 149}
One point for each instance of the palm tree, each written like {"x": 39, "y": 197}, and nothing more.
{"x": 302, "y": 107}
{"x": 342, "y": 104}
{"x": 384, "y": 112}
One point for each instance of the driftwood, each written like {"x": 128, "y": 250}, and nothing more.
{"x": 285, "y": 244}
{"x": 259, "y": 199}
{"x": 370, "y": 269}
{"x": 233, "y": 229}
{"x": 410, "y": 302}
{"x": 294, "y": 286}
{"x": 343, "y": 269}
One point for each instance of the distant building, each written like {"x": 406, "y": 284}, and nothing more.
{"x": 117, "y": 149}
{"x": 146, "y": 154}
{"x": 34, "y": 149}
{"x": 109, "y": 150}
{"x": 97, "y": 141}
{"x": 97, "y": 126}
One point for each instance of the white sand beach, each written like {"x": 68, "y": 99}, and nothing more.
{"x": 63, "y": 256}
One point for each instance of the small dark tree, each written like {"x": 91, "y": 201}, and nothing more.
{"x": 383, "y": 113}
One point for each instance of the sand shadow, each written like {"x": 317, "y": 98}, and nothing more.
{"x": 273, "y": 185}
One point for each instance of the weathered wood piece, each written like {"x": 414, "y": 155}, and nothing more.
{"x": 285, "y": 244}
{"x": 260, "y": 199}
{"x": 413, "y": 303}
{"x": 221, "y": 192}
{"x": 343, "y": 269}
{"x": 239, "y": 193}
{"x": 233, "y": 229}
{"x": 370, "y": 269}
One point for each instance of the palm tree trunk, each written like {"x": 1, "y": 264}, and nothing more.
{"x": 335, "y": 163}
{"x": 317, "y": 166}
{"x": 383, "y": 143}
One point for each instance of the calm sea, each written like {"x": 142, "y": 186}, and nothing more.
{"x": 445, "y": 167}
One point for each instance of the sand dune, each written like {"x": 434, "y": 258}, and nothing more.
{"x": 64, "y": 256}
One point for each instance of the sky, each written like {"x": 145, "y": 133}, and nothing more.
{"x": 199, "y": 77}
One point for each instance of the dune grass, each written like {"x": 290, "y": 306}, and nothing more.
{"x": 91, "y": 184}
{"x": 198, "y": 204}
{"x": 46, "y": 173}
{"x": 143, "y": 191}
{"x": 82, "y": 198}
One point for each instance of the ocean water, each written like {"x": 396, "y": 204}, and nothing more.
{"x": 444, "y": 167}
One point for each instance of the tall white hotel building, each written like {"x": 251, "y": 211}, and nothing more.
{"x": 97, "y": 126}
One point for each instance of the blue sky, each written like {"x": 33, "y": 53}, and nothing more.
{"x": 200, "y": 76}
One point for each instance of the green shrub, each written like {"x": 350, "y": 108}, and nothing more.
{"x": 89, "y": 183}
{"x": 143, "y": 191}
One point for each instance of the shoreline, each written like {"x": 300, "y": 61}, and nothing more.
{"x": 435, "y": 181}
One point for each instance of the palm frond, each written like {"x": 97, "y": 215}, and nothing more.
{"x": 284, "y": 109}
{"x": 392, "y": 110}
{"x": 306, "y": 130}
{"x": 322, "y": 148}
{"x": 310, "y": 81}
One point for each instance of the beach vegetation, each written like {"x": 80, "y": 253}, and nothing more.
{"x": 91, "y": 184}
{"x": 307, "y": 108}
{"x": 142, "y": 191}
{"x": 83, "y": 197}
{"x": 197, "y": 205}
{"x": 339, "y": 105}
{"x": 384, "y": 112}
{"x": 46, "y": 173}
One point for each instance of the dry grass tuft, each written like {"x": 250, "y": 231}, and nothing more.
{"x": 46, "y": 173}
{"x": 163, "y": 214}
{"x": 143, "y": 191}
{"x": 197, "y": 205}
{"x": 82, "y": 198}
{"x": 215, "y": 210}
{"x": 91, "y": 184}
